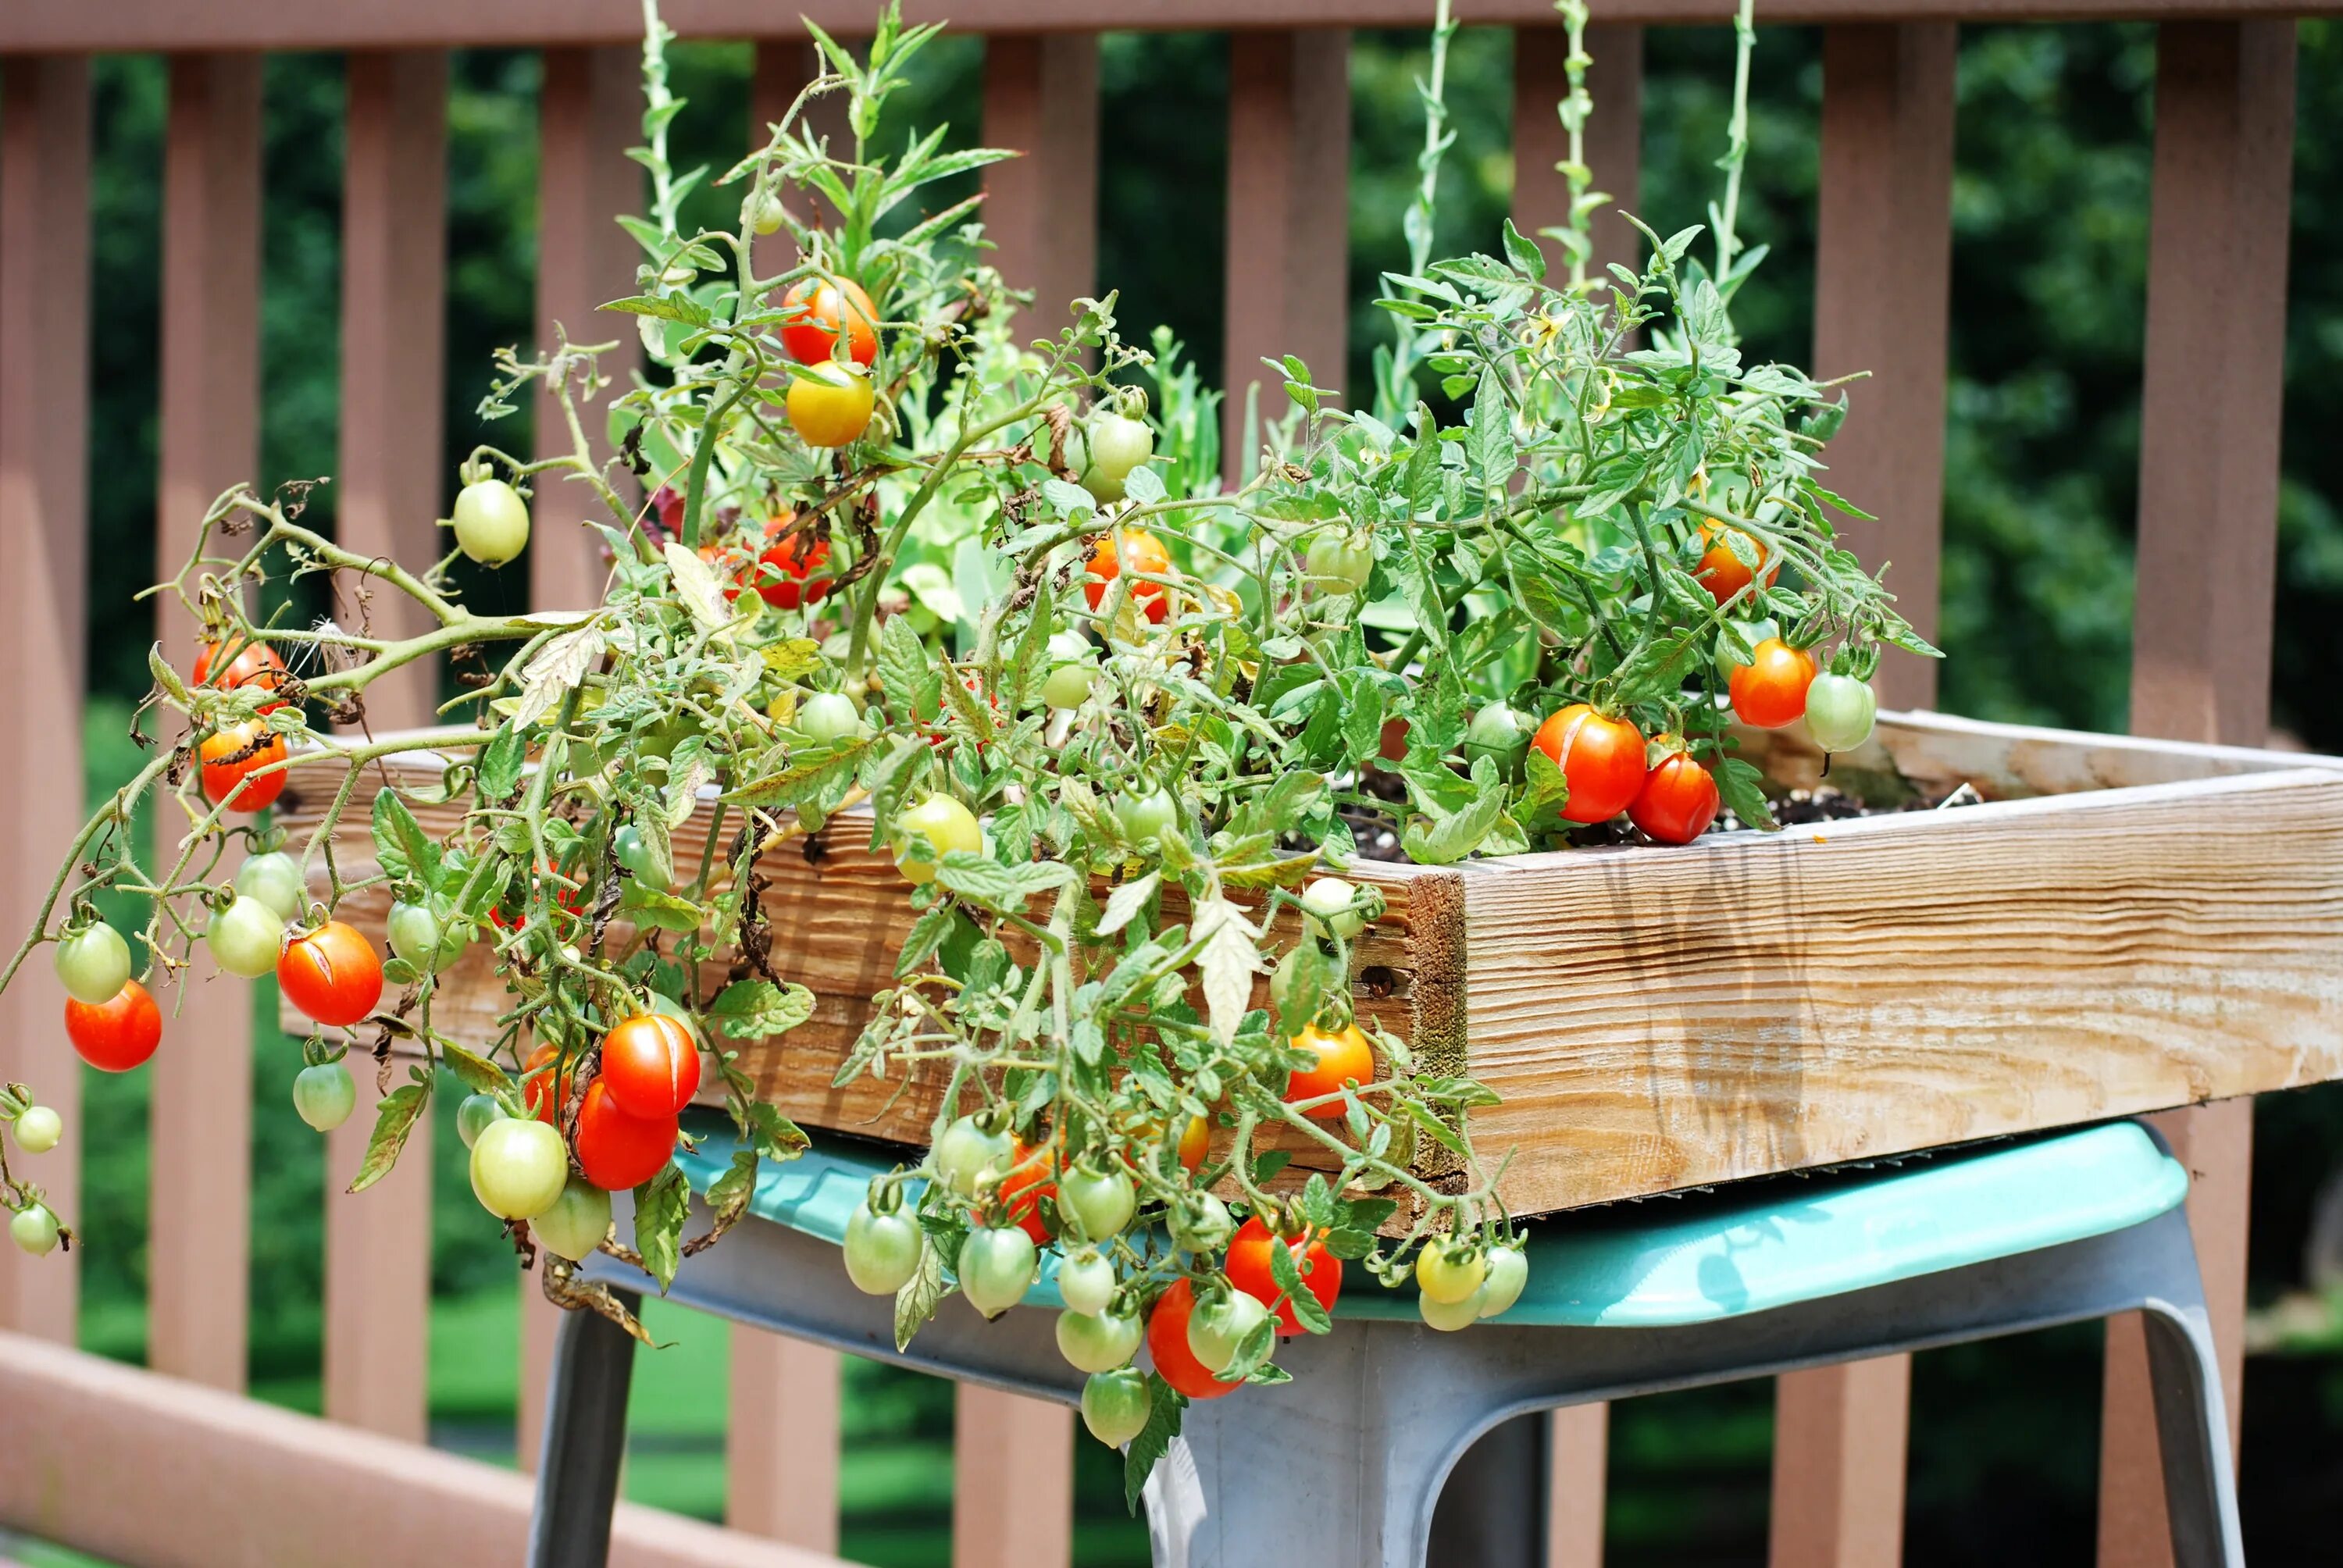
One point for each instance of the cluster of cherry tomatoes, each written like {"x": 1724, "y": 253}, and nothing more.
{"x": 830, "y": 399}
{"x": 623, "y": 1132}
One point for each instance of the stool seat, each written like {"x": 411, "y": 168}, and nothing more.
{"x": 1694, "y": 1259}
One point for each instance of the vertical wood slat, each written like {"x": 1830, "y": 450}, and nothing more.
{"x": 200, "y": 1237}
{"x": 1838, "y": 1465}
{"x": 1013, "y": 1481}
{"x": 1578, "y": 1465}
{"x": 588, "y": 116}
{"x": 45, "y": 127}
{"x": 1287, "y": 285}
{"x": 1613, "y": 140}
{"x": 1881, "y": 298}
{"x": 1040, "y": 210}
{"x": 1882, "y": 295}
{"x": 2212, "y": 390}
{"x": 390, "y": 489}
{"x": 781, "y": 1439}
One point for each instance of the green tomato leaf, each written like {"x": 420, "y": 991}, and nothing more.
{"x": 1738, "y": 783}
{"x": 917, "y": 1301}
{"x": 477, "y": 1073}
{"x": 660, "y": 1204}
{"x": 759, "y": 1010}
{"x": 1165, "y": 1404}
{"x": 401, "y": 846}
{"x": 500, "y": 763}
{"x": 394, "y": 1118}
{"x": 1004, "y": 890}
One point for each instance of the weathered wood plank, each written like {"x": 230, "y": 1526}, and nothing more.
{"x": 209, "y": 1468}
{"x": 1013, "y": 1480}
{"x": 44, "y": 126}
{"x": 1578, "y": 1461}
{"x": 1660, "y": 1018}
{"x": 1882, "y": 295}
{"x": 390, "y": 487}
{"x": 588, "y": 115}
{"x": 1040, "y": 210}
{"x": 2207, "y": 555}
{"x": 781, "y": 1447}
{"x": 1838, "y": 1465}
{"x": 202, "y": 1128}
{"x": 50, "y": 25}
{"x": 1288, "y": 240}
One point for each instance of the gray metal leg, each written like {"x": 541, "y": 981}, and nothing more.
{"x": 584, "y": 1439}
{"x": 2200, "y": 1494}
{"x": 1492, "y": 1512}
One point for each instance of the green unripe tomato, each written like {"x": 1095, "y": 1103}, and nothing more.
{"x": 1338, "y": 564}
{"x": 325, "y": 1095}
{"x": 1509, "y": 1271}
{"x": 1114, "y": 444}
{"x": 491, "y": 522}
{"x": 414, "y": 933}
{"x": 518, "y": 1168}
{"x": 944, "y": 825}
{"x": 966, "y": 1154}
{"x": 1146, "y": 815}
{"x": 1450, "y": 1316}
{"x": 828, "y": 716}
{"x": 1304, "y": 981}
{"x": 996, "y": 1266}
{"x": 1499, "y": 733}
{"x": 882, "y": 1250}
{"x": 1217, "y": 1330}
{"x": 1071, "y": 676}
{"x": 1086, "y": 1280}
{"x": 1101, "y": 1343}
{"x": 1201, "y": 1224}
{"x": 245, "y": 937}
{"x": 1840, "y": 712}
{"x": 274, "y": 879}
{"x": 1448, "y": 1272}
{"x": 575, "y": 1223}
{"x": 95, "y": 964}
{"x": 474, "y": 1115}
{"x": 765, "y": 212}
{"x": 38, "y": 1129}
{"x": 1326, "y": 908}
{"x": 35, "y": 1229}
{"x": 1115, "y": 1405}
{"x": 1101, "y": 1202}
{"x": 628, "y": 844}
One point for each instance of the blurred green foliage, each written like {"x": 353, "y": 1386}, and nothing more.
{"x": 2050, "y": 212}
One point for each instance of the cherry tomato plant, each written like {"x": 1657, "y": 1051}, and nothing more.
{"x": 1120, "y": 727}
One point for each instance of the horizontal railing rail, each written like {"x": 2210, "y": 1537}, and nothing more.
{"x": 2215, "y": 308}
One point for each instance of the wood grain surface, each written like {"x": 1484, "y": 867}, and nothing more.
{"x": 1659, "y": 1019}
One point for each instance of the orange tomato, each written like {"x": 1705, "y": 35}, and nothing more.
{"x": 1677, "y": 801}
{"x": 544, "y": 1097}
{"x": 1032, "y": 1177}
{"x": 255, "y": 664}
{"x": 1770, "y": 690}
{"x": 651, "y": 1065}
{"x": 617, "y": 1151}
{"x": 1721, "y": 571}
{"x": 333, "y": 973}
{"x": 1250, "y": 1269}
{"x": 1139, "y": 552}
{"x": 230, "y": 758}
{"x": 1342, "y": 1055}
{"x": 813, "y": 336}
{"x": 1601, "y": 757}
{"x": 1167, "y": 1341}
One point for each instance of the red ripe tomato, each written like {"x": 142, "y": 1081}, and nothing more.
{"x": 650, "y": 1065}
{"x": 231, "y": 781}
{"x": 1601, "y": 757}
{"x": 1342, "y": 1054}
{"x": 543, "y": 1096}
{"x": 1721, "y": 571}
{"x": 783, "y": 574}
{"x": 1137, "y": 551}
{"x": 1677, "y": 801}
{"x": 570, "y": 901}
{"x": 1771, "y": 689}
{"x": 332, "y": 974}
{"x": 119, "y": 1035}
{"x": 617, "y": 1151}
{"x": 1167, "y": 1341}
{"x": 255, "y": 664}
{"x": 813, "y": 336}
{"x": 1030, "y": 1179}
{"x": 1248, "y": 1268}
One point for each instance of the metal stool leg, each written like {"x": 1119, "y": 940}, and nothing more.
{"x": 2192, "y": 1429}
{"x": 584, "y": 1439}
{"x": 1489, "y": 1513}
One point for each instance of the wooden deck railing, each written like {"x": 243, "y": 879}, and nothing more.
{"x": 2215, "y": 310}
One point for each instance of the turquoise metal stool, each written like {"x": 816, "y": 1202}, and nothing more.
{"x": 1745, "y": 1281}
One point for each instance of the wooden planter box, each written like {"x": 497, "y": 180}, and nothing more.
{"x": 2121, "y": 926}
